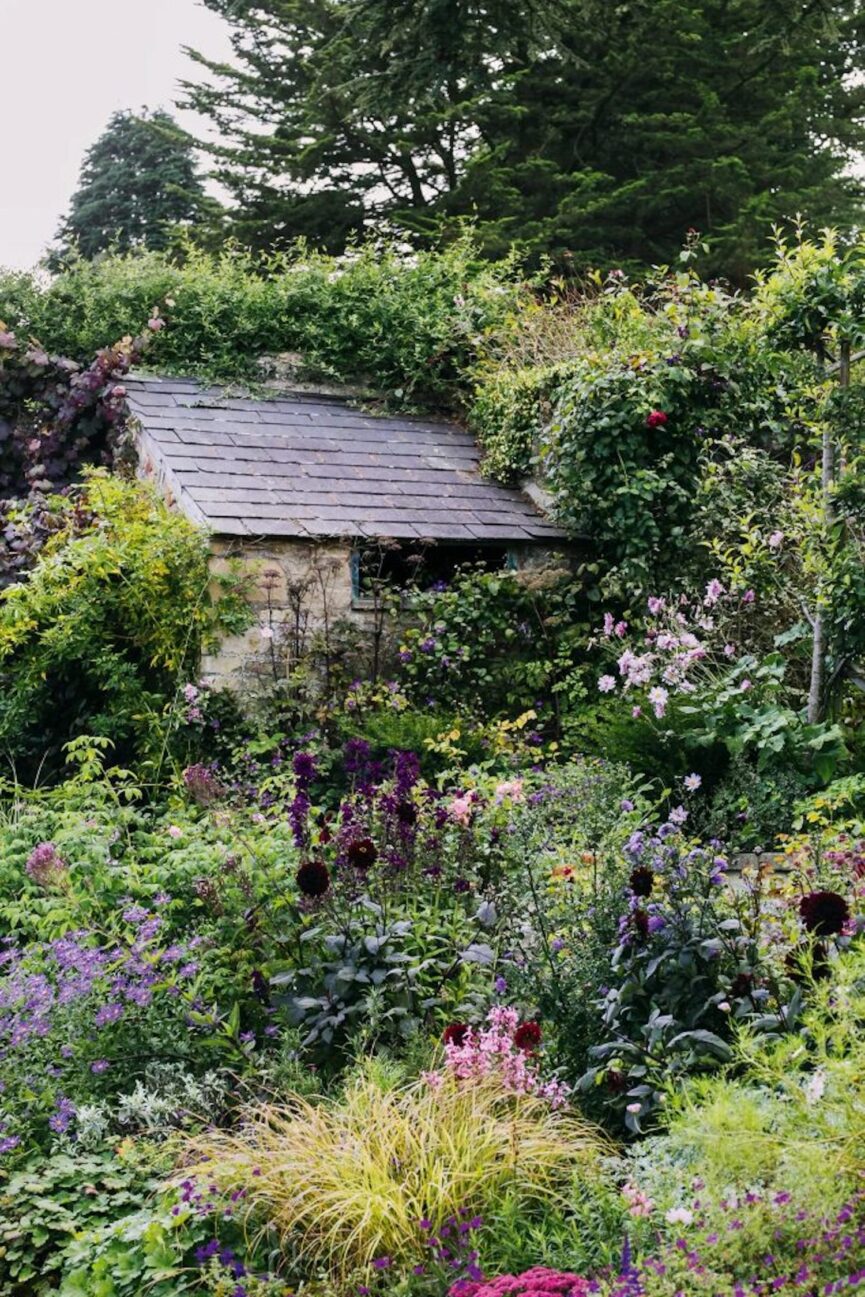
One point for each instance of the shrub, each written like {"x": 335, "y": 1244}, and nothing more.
{"x": 409, "y": 326}
{"x": 788, "y": 1113}
{"x": 560, "y": 896}
{"x": 499, "y": 639}
{"x": 110, "y": 620}
{"x": 690, "y": 961}
{"x": 346, "y": 1182}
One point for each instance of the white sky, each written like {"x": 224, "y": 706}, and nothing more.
{"x": 65, "y": 66}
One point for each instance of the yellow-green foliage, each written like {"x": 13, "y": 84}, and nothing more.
{"x": 346, "y": 1181}
{"x": 95, "y": 637}
{"x": 794, "y": 1117}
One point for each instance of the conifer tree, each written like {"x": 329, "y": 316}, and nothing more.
{"x": 593, "y": 131}
{"x": 137, "y": 182}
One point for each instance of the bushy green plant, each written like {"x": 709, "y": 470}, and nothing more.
{"x": 113, "y": 616}
{"x": 690, "y": 961}
{"x": 49, "y": 1200}
{"x": 510, "y": 639}
{"x": 409, "y": 326}
{"x": 561, "y": 896}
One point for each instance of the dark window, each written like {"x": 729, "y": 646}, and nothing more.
{"x": 418, "y": 566}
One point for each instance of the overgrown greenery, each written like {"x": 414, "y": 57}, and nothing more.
{"x": 106, "y": 626}
{"x": 409, "y": 327}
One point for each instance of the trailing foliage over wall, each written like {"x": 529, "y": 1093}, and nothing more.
{"x": 409, "y": 326}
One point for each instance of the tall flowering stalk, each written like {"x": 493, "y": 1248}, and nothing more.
{"x": 504, "y": 1049}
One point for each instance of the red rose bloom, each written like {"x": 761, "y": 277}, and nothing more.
{"x": 455, "y": 1034}
{"x": 656, "y": 419}
{"x": 312, "y": 878}
{"x": 527, "y": 1036}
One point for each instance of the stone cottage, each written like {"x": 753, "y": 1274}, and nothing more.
{"x": 299, "y": 483}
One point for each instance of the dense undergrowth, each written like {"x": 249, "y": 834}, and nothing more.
{"x": 431, "y": 965}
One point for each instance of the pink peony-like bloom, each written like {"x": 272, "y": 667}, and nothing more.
{"x": 510, "y": 788}
{"x": 639, "y": 1203}
{"x": 461, "y": 809}
{"x": 606, "y": 684}
{"x": 714, "y": 590}
{"x": 658, "y": 697}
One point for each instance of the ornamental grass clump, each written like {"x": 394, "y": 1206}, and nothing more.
{"x": 345, "y": 1182}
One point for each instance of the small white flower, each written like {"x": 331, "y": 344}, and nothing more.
{"x": 679, "y": 1216}
{"x": 725, "y": 1007}
{"x": 815, "y": 1087}
{"x": 692, "y": 782}
{"x": 634, "y": 1108}
{"x": 607, "y": 684}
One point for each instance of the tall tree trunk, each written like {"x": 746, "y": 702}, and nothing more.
{"x": 817, "y": 691}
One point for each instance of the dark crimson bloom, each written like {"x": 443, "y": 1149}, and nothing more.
{"x": 824, "y": 913}
{"x": 362, "y": 853}
{"x": 656, "y": 419}
{"x": 640, "y": 923}
{"x": 642, "y": 881}
{"x": 455, "y": 1034}
{"x": 313, "y": 878}
{"x": 742, "y": 984}
{"x": 528, "y": 1036}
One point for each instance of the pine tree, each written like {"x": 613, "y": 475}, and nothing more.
{"x": 596, "y": 132}
{"x": 137, "y": 182}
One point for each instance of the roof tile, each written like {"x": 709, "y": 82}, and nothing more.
{"x": 302, "y": 466}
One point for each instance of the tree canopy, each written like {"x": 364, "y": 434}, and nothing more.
{"x": 594, "y": 132}
{"x": 138, "y": 180}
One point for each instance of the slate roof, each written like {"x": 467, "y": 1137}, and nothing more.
{"x": 303, "y": 465}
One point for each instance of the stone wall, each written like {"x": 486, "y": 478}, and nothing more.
{"x": 296, "y": 588}
{"x": 290, "y": 582}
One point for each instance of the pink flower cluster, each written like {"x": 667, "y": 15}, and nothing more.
{"x": 676, "y": 645}
{"x": 493, "y": 1051}
{"x": 538, "y": 1282}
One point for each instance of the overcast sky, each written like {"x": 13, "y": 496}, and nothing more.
{"x": 65, "y": 66}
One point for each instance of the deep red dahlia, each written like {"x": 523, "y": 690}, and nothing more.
{"x": 656, "y": 419}
{"x": 455, "y": 1034}
{"x": 313, "y": 878}
{"x": 528, "y": 1036}
{"x": 362, "y": 853}
{"x": 824, "y": 913}
{"x": 642, "y": 881}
